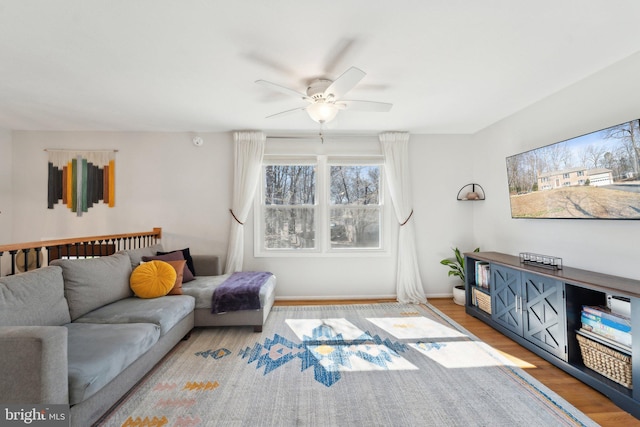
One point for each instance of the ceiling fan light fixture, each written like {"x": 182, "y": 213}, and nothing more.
{"x": 325, "y": 97}
{"x": 322, "y": 112}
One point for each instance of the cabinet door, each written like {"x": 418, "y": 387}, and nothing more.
{"x": 544, "y": 313}
{"x": 505, "y": 298}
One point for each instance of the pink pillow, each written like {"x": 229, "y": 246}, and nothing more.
{"x": 187, "y": 276}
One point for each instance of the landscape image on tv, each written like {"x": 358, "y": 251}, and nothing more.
{"x": 593, "y": 176}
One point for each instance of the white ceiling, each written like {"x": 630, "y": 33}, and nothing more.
{"x": 448, "y": 66}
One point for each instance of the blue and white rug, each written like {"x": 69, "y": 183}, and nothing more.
{"x": 346, "y": 365}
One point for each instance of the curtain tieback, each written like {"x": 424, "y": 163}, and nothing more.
{"x": 405, "y": 221}
{"x": 242, "y": 223}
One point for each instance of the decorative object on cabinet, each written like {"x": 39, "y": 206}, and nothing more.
{"x": 471, "y": 191}
{"x": 538, "y": 260}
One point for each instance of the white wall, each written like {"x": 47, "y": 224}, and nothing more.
{"x": 608, "y": 246}
{"x": 6, "y": 196}
{"x": 441, "y": 165}
{"x": 162, "y": 180}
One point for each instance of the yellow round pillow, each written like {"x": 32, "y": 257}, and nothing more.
{"x": 152, "y": 279}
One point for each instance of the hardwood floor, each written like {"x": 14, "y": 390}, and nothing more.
{"x": 594, "y": 404}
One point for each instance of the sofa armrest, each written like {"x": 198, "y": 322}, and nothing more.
{"x": 206, "y": 265}
{"x": 34, "y": 366}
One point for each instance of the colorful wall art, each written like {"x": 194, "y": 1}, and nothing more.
{"x": 79, "y": 179}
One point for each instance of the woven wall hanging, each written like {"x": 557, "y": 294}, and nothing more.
{"x": 79, "y": 179}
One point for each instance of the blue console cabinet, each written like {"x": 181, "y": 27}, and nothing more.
{"x": 540, "y": 309}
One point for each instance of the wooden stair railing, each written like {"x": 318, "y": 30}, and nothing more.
{"x": 29, "y": 256}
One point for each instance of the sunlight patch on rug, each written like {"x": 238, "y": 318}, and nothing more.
{"x": 326, "y": 330}
{"x": 415, "y": 328}
{"x": 460, "y": 354}
{"x": 352, "y": 358}
{"x": 515, "y": 360}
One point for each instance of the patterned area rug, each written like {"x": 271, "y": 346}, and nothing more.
{"x": 346, "y": 365}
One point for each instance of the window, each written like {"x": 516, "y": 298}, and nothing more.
{"x": 319, "y": 205}
{"x": 289, "y": 206}
{"x": 355, "y": 210}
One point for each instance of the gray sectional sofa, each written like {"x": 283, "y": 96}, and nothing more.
{"x": 74, "y": 333}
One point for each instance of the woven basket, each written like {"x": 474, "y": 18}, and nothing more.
{"x": 482, "y": 300}
{"x": 606, "y": 361}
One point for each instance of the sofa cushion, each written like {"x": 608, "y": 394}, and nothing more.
{"x": 152, "y": 279}
{"x": 178, "y": 266}
{"x": 186, "y": 253}
{"x": 34, "y": 298}
{"x": 135, "y": 255}
{"x": 92, "y": 283}
{"x": 172, "y": 256}
{"x": 98, "y": 353}
{"x": 165, "y": 312}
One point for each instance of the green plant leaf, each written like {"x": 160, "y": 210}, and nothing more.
{"x": 456, "y": 265}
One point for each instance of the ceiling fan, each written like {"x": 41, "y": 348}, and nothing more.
{"x": 325, "y": 97}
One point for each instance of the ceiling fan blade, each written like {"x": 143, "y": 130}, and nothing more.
{"x": 283, "y": 89}
{"x": 344, "y": 83}
{"x": 287, "y": 112}
{"x": 381, "y": 107}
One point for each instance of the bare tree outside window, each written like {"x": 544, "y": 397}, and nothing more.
{"x": 289, "y": 211}
{"x": 342, "y": 213}
{"x": 355, "y": 206}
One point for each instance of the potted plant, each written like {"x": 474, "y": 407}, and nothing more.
{"x": 457, "y": 268}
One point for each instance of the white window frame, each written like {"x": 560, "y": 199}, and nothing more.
{"x": 322, "y": 208}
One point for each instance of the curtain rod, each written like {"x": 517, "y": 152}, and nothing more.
{"x": 79, "y": 149}
{"x": 321, "y": 135}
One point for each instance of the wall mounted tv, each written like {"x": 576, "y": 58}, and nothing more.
{"x": 593, "y": 176}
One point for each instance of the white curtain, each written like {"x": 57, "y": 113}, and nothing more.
{"x": 395, "y": 147}
{"x": 248, "y": 154}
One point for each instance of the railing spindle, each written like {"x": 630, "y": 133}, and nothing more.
{"x": 77, "y": 246}
{"x": 13, "y": 261}
{"x": 38, "y": 254}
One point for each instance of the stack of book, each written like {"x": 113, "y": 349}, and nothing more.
{"x": 613, "y": 329}
{"x": 482, "y": 274}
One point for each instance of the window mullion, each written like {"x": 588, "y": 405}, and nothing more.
{"x": 322, "y": 205}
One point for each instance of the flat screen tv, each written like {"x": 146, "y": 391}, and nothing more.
{"x": 593, "y": 176}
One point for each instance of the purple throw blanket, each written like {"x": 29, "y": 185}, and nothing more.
{"x": 241, "y": 291}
